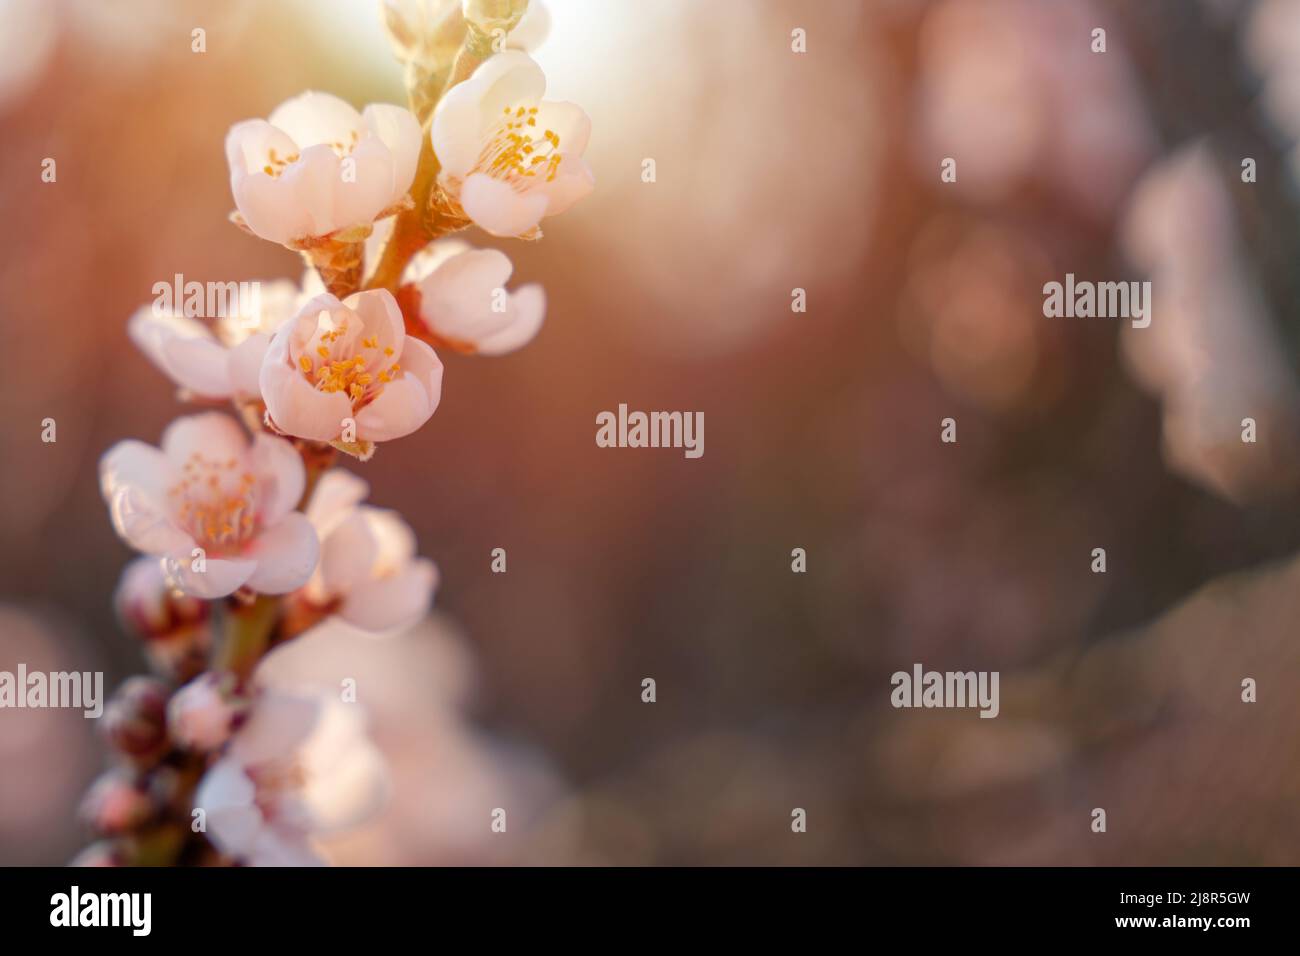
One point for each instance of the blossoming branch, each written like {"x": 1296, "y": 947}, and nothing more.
{"x": 249, "y": 535}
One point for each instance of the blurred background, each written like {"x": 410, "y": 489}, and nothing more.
{"x": 775, "y": 170}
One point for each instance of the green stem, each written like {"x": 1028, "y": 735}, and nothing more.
{"x": 245, "y": 634}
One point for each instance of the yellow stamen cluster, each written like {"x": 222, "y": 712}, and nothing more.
{"x": 276, "y": 165}
{"x": 344, "y": 149}
{"x": 208, "y": 508}
{"x": 350, "y": 374}
{"x": 514, "y": 153}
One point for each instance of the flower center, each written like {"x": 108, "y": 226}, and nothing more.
{"x": 338, "y": 365}
{"x": 214, "y": 502}
{"x": 516, "y": 154}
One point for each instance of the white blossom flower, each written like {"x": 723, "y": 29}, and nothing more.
{"x": 463, "y": 301}
{"x": 319, "y": 167}
{"x": 301, "y": 766}
{"x": 222, "y": 362}
{"x": 208, "y": 488}
{"x": 351, "y": 361}
{"x": 369, "y": 573}
{"x": 508, "y": 158}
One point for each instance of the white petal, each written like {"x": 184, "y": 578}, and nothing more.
{"x": 152, "y": 333}
{"x": 573, "y": 180}
{"x": 527, "y": 309}
{"x": 496, "y": 208}
{"x": 400, "y": 131}
{"x": 133, "y": 477}
{"x": 405, "y": 405}
{"x": 199, "y": 364}
{"x": 392, "y": 603}
{"x": 227, "y": 797}
{"x": 314, "y": 181}
{"x": 280, "y": 723}
{"x": 138, "y": 465}
{"x": 211, "y": 434}
{"x": 221, "y": 576}
{"x": 249, "y": 145}
{"x": 245, "y": 363}
{"x": 508, "y": 79}
{"x": 456, "y": 299}
{"x": 143, "y": 523}
{"x": 381, "y": 317}
{"x": 281, "y": 477}
{"x": 336, "y": 495}
{"x": 568, "y": 121}
{"x": 286, "y": 555}
{"x": 348, "y": 554}
{"x": 311, "y": 118}
{"x": 369, "y": 186}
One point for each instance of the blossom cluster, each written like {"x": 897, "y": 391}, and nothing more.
{"x": 248, "y": 534}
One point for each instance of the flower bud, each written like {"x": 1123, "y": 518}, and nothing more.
{"x": 203, "y": 714}
{"x": 115, "y": 803}
{"x": 489, "y": 15}
{"x": 135, "y": 720}
{"x": 174, "y": 627}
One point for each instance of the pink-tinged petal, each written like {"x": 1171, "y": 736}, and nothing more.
{"x": 573, "y": 180}
{"x": 245, "y": 364}
{"x": 399, "y": 130}
{"x": 348, "y": 554}
{"x": 337, "y": 495}
{"x": 394, "y": 602}
{"x": 271, "y": 210}
{"x": 295, "y": 406}
{"x": 381, "y": 317}
{"x": 405, "y": 405}
{"x": 394, "y": 536}
{"x": 138, "y": 465}
{"x": 219, "y": 577}
{"x": 145, "y": 524}
{"x": 285, "y": 554}
{"x": 151, "y": 333}
{"x": 496, "y": 208}
{"x": 508, "y": 79}
{"x": 227, "y": 797}
{"x": 249, "y": 145}
{"x": 312, "y": 117}
{"x": 569, "y": 122}
{"x": 133, "y": 478}
{"x": 368, "y": 188}
{"x": 281, "y": 478}
{"x": 424, "y": 262}
{"x": 212, "y": 435}
{"x": 527, "y": 310}
{"x": 314, "y": 181}
{"x": 200, "y": 365}
{"x": 280, "y": 722}
{"x": 456, "y": 298}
